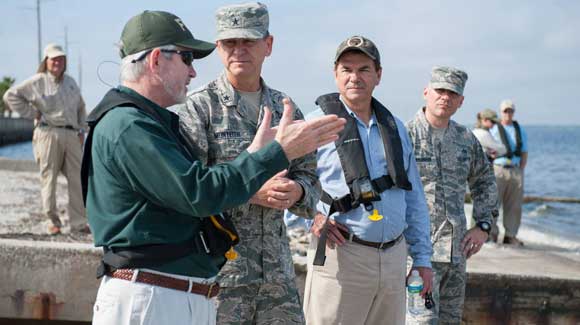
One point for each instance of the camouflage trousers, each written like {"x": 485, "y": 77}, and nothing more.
{"x": 448, "y": 294}
{"x": 266, "y": 303}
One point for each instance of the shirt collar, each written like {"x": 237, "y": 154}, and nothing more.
{"x": 372, "y": 120}
{"x": 164, "y": 113}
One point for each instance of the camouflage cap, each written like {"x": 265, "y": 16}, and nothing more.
{"x": 247, "y": 20}
{"x": 448, "y": 78}
{"x": 488, "y": 114}
{"x": 358, "y": 43}
{"x": 505, "y": 104}
{"x": 151, "y": 29}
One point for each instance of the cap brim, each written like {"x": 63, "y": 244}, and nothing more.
{"x": 446, "y": 85}
{"x": 354, "y": 48}
{"x": 55, "y": 54}
{"x": 239, "y": 33}
{"x": 200, "y": 48}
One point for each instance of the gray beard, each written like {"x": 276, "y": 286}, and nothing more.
{"x": 178, "y": 98}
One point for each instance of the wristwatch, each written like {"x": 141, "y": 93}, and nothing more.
{"x": 485, "y": 226}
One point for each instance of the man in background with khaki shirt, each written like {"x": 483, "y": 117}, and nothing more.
{"x": 54, "y": 100}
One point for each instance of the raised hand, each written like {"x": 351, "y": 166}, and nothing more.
{"x": 299, "y": 138}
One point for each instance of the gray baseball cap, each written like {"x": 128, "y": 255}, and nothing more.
{"x": 247, "y": 20}
{"x": 359, "y": 43}
{"x": 448, "y": 78}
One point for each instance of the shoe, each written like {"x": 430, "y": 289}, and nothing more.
{"x": 53, "y": 230}
{"x": 512, "y": 241}
{"x": 82, "y": 229}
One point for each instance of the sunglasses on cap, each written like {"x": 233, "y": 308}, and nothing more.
{"x": 508, "y": 110}
{"x": 186, "y": 56}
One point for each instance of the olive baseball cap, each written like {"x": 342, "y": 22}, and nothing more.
{"x": 358, "y": 43}
{"x": 247, "y": 20}
{"x": 151, "y": 29}
{"x": 448, "y": 78}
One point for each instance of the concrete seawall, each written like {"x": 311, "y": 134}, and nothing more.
{"x": 44, "y": 277}
{"x": 13, "y": 130}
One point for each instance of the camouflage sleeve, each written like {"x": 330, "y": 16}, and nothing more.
{"x": 482, "y": 184}
{"x": 303, "y": 171}
{"x": 194, "y": 125}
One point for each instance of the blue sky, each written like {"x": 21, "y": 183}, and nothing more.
{"x": 525, "y": 51}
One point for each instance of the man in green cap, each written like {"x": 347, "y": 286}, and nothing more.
{"x": 147, "y": 194}
{"x": 221, "y": 119}
{"x": 449, "y": 157}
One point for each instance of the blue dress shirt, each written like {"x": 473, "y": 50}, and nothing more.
{"x": 404, "y": 212}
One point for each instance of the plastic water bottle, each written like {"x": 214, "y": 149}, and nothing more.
{"x": 414, "y": 288}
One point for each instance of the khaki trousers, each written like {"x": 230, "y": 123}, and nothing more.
{"x": 510, "y": 188}
{"x": 59, "y": 150}
{"x": 357, "y": 285}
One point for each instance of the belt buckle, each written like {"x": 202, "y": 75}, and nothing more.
{"x": 209, "y": 290}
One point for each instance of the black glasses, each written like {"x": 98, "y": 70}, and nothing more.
{"x": 186, "y": 56}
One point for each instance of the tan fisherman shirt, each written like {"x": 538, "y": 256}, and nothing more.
{"x": 59, "y": 103}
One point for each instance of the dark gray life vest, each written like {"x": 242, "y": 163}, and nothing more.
{"x": 503, "y": 136}
{"x": 363, "y": 190}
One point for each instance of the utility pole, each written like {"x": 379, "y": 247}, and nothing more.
{"x": 66, "y": 39}
{"x": 80, "y": 72}
{"x": 39, "y": 31}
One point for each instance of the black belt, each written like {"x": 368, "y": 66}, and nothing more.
{"x": 68, "y": 127}
{"x": 385, "y": 245}
{"x": 508, "y": 166}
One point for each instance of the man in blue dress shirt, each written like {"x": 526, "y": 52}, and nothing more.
{"x": 362, "y": 280}
{"x": 509, "y": 170}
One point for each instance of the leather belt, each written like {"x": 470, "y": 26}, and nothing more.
{"x": 353, "y": 238}
{"x": 68, "y": 127}
{"x": 207, "y": 290}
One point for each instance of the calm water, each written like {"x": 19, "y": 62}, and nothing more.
{"x": 553, "y": 170}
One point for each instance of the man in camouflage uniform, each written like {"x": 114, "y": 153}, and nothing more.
{"x": 449, "y": 156}
{"x": 221, "y": 119}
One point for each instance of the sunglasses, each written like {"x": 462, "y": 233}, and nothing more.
{"x": 508, "y": 110}
{"x": 186, "y": 56}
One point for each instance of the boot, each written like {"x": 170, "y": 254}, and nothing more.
{"x": 512, "y": 241}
